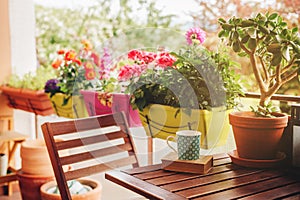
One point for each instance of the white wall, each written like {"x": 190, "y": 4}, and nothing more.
{"x": 23, "y": 55}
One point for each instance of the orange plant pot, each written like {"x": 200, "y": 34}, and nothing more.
{"x": 257, "y": 137}
{"x": 28, "y": 100}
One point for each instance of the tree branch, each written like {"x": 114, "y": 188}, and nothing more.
{"x": 289, "y": 77}
{"x": 288, "y": 66}
{"x": 278, "y": 74}
{"x": 257, "y": 74}
{"x": 267, "y": 77}
{"x": 244, "y": 48}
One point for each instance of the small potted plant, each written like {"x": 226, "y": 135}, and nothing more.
{"x": 191, "y": 89}
{"x": 26, "y": 92}
{"x": 76, "y": 71}
{"x": 274, "y": 54}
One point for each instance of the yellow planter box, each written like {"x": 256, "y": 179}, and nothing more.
{"x": 159, "y": 121}
{"x": 75, "y": 108}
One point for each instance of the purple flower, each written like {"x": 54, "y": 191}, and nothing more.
{"x": 51, "y": 86}
{"x": 195, "y": 36}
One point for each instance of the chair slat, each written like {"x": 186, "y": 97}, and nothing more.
{"x": 74, "y": 174}
{"x": 90, "y": 140}
{"x": 79, "y": 157}
{"x": 67, "y": 127}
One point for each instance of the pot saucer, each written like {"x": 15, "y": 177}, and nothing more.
{"x": 245, "y": 162}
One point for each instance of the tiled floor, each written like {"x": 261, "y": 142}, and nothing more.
{"x": 112, "y": 191}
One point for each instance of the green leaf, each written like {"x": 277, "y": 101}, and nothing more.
{"x": 236, "y": 47}
{"x": 252, "y": 32}
{"x": 221, "y": 20}
{"x": 242, "y": 54}
{"x": 221, "y": 33}
{"x": 247, "y": 23}
{"x": 276, "y": 59}
{"x": 273, "y": 16}
{"x": 274, "y": 48}
{"x": 283, "y": 24}
{"x": 264, "y": 30}
{"x": 245, "y": 39}
{"x": 252, "y": 43}
{"x": 227, "y": 27}
{"x": 295, "y": 30}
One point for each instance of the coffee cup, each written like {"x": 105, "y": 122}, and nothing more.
{"x": 188, "y": 144}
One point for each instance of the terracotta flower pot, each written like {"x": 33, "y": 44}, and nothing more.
{"x": 35, "y": 158}
{"x": 30, "y": 185}
{"x": 257, "y": 137}
{"x": 94, "y": 194}
{"x": 28, "y": 100}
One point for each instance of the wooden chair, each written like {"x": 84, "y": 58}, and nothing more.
{"x": 101, "y": 137}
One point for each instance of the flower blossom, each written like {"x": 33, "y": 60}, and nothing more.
{"x": 87, "y": 45}
{"x": 51, "y": 85}
{"x": 129, "y": 71}
{"x": 70, "y": 55}
{"x": 56, "y": 63}
{"x": 195, "y": 36}
{"x": 165, "y": 60}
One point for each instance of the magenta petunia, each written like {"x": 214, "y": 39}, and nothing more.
{"x": 195, "y": 36}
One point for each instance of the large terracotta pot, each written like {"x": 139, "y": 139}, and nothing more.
{"x": 94, "y": 194}
{"x": 30, "y": 185}
{"x": 35, "y": 158}
{"x": 28, "y": 100}
{"x": 257, "y": 137}
{"x": 159, "y": 121}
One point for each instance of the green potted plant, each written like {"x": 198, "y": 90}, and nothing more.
{"x": 76, "y": 71}
{"x": 274, "y": 54}
{"x": 26, "y": 92}
{"x": 191, "y": 89}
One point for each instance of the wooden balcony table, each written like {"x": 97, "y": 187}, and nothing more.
{"x": 224, "y": 181}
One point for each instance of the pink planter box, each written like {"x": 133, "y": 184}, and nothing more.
{"x": 120, "y": 102}
{"x": 93, "y": 105}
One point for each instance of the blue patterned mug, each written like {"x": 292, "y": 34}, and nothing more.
{"x": 188, "y": 144}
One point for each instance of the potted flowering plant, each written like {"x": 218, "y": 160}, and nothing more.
{"x": 274, "y": 54}
{"x": 195, "y": 85}
{"x": 75, "y": 72}
{"x": 26, "y": 92}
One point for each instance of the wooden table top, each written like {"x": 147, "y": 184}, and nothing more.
{"x": 224, "y": 181}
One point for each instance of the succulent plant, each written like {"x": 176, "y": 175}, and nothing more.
{"x": 272, "y": 48}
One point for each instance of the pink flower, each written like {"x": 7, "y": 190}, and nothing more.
{"x": 129, "y": 71}
{"x": 195, "y": 36}
{"x": 165, "y": 60}
{"x": 148, "y": 57}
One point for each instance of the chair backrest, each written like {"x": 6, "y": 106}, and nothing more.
{"x": 105, "y": 138}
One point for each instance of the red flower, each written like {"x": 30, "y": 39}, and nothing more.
{"x": 165, "y": 60}
{"x": 134, "y": 54}
{"x": 148, "y": 57}
{"x": 76, "y": 60}
{"x": 61, "y": 52}
{"x": 56, "y": 63}
{"x": 95, "y": 59}
{"x": 70, "y": 55}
